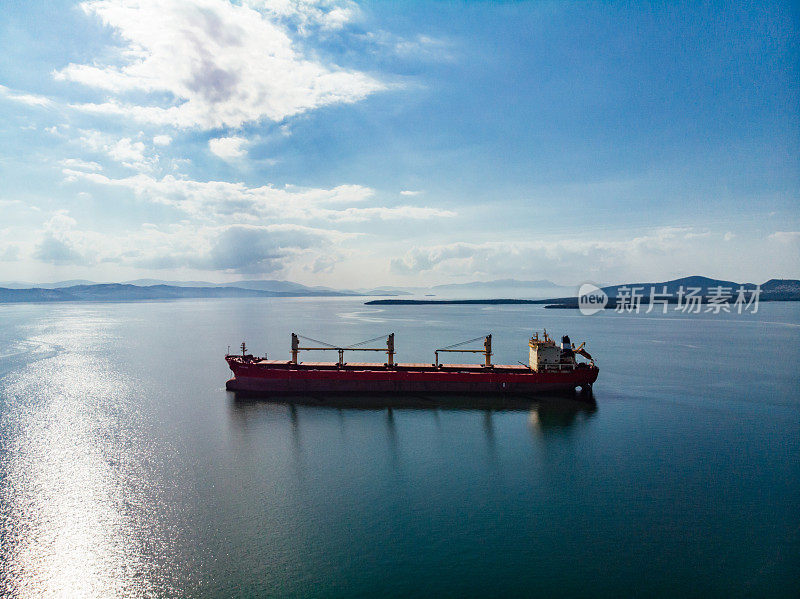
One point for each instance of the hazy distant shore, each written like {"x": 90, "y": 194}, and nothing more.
{"x": 570, "y": 304}
{"x": 772, "y": 290}
{"x": 705, "y": 289}
{"x": 115, "y": 292}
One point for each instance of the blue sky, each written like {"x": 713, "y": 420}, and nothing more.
{"x": 360, "y": 144}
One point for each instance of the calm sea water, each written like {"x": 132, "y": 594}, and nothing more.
{"x": 127, "y": 470}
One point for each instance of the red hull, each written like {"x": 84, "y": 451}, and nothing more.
{"x": 285, "y": 378}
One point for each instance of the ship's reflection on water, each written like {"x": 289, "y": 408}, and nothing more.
{"x": 548, "y": 415}
{"x": 544, "y": 414}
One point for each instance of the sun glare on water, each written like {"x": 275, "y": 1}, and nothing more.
{"x": 69, "y": 523}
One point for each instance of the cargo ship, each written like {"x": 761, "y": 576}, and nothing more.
{"x": 552, "y": 368}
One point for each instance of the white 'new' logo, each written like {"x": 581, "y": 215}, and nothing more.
{"x": 591, "y": 299}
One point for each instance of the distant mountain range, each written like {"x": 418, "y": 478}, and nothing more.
{"x": 83, "y": 290}
{"x": 126, "y": 292}
{"x": 476, "y": 292}
{"x": 264, "y": 285}
{"x": 672, "y": 287}
{"x": 772, "y": 290}
{"x": 27, "y": 285}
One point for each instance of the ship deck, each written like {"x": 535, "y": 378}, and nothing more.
{"x": 416, "y": 366}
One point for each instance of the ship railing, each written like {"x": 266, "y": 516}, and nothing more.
{"x": 557, "y": 367}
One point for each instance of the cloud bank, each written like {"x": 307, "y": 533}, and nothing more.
{"x": 252, "y": 249}
{"x": 677, "y": 251}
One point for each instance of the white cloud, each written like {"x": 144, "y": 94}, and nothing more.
{"x": 421, "y": 47}
{"x": 309, "y": 15}
{"x": 253, "y": 249}
{"x": 221, "y": 63}
{"x": 57, "y": 251}
{"x": 211, "y": 200}
{"x": 55, "y": 244}
{"x": 60, "y": 222}
{"x": 29, "y": 99}
{"x": 228, "y": 148}
{"x": 424, "y": 47}
{"x": 126, "y": 151}
{"x": 259, "y": 249}
{"x": 388, "y": 213}
{"x": 408, "y": 192}
{"x": 162, "y": 140}
{"x": 787, "y": 237}
{"x": 73, "y": 163}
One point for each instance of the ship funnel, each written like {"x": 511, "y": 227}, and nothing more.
{"x": 565, "y": 342}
